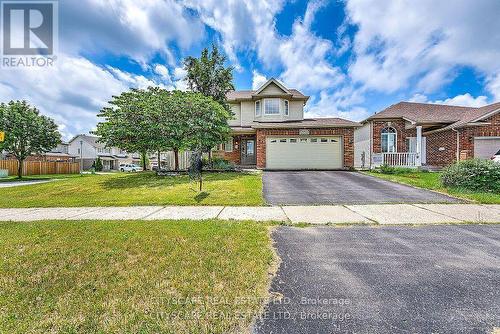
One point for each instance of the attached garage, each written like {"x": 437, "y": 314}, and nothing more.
{"x": 311, "y": 152}
{"x": 486, "y": 147}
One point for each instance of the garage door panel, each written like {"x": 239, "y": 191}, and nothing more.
{"x": 301, "y": 154}
{"x": 485, "y": 148}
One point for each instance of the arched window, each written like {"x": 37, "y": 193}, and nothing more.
{"x": 389, "y": 139}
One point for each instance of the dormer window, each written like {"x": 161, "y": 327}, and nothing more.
{"x": 272, "y": 106}
{"x": 287, "y": 112}
{"x": 257, "y": 108}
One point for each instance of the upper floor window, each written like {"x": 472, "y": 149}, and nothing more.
{"x": 257, "y": 108}
{"x": 103, "y": 150}
{"x": 287, "y": 112}
{"x": 389, "y": 140}
{"x": 272, "y": 106}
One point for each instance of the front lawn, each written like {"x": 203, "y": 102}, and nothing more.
{"x": 124, "y": 189}
{"x": 432, "y": 181}
{"x": 132, "y": 276}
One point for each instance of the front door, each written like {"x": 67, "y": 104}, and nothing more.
{"x": 248, "y": 152}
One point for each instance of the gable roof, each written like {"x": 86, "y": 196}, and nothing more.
{"x": 422, "y": 112}
{"x": 92, "y": 140}
{"x": 451, "y": 116}
{"x": 236, "y": 95}
{"x": 270, "y": 81}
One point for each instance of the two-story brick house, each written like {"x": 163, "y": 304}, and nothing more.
{"x": 269, "y": 131}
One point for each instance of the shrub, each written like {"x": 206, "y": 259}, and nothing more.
{"x": 221, "y": 164}
{"x": 97, "y": 165}
{"x": 386, "y": 169}
{"x": 475, "y": 175}
{"x": 218, "y": 163}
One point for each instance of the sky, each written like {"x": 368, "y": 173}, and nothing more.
{"x": 352, "y": 57}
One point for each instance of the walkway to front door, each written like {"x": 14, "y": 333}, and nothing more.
{"x": 248, "y": 154}
{"x": 341, "y": 187}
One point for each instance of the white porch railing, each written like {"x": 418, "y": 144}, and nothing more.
{"x": 404, "y": 159}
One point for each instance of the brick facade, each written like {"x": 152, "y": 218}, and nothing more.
{"x": 346, "y": 133}
{"x": 441, "y": 146}
{"x": 467, "y": 135}
{"x": 235, "y": 155}
{"x": 402, "y": 134}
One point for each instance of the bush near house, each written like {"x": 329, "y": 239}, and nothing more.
{"x": 218, "y": 164}
{"x": 386, "y": 169}
{"x": 475, "y": 175}
{"x": 97, "y": 165}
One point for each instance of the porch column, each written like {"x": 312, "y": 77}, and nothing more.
{"x": 419, "y": 146}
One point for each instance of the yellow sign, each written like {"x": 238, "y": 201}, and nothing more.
{"x": 2, "y": 136}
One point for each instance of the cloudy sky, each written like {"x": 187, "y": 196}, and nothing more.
{"x": 353, "y": 57}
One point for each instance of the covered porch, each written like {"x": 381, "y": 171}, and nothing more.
{"x": 411, "y": 139}
{"x": 241, "y": 148}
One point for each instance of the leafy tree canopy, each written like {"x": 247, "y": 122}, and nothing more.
{"x": 208, "y": 75}
{"x": 26, "y": 131}
{"x": 159, "y": 120}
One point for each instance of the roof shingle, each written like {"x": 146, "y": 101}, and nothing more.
{"x": 454, "y": 116}
{"x": 247, "y": 94}
{"x": 308, "y": 123}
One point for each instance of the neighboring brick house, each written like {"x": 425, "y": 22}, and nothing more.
{"x": 269, "y": 131}
{"x": 414, "y": 134}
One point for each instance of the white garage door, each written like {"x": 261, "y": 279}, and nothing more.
{"x": 485, "y": 147}
{"x": 304, "y": 153}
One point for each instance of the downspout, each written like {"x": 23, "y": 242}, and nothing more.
{"x": 457, "y": 154}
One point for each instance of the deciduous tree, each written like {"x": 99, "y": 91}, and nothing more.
{"x": 26, "y": 131}
{"x": 209, "y": 76}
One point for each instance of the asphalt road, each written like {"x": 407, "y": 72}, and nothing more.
{"x": 341, "y": 187}
{"x": 433, "y": 279}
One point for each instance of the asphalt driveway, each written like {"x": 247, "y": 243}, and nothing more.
{"x": 341, "y": 187}
{"x": 433, "y": 279}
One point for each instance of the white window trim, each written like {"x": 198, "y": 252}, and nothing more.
{"x": 279, "y": 106}
{"x": 286, "y": 105}
{"x": 260, "y": 108}
{"x": 395, "y": 140}
{"x": 230, "y": 142}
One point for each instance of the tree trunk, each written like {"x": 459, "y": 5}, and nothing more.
{"x": 201, "y": 182}
{"x": 20, "y": 169}
{"x": 159, "y": 161}
{"x": 176, "y": 159}
{"x": 143, "y": 160}
{"x": 210, "y": 158}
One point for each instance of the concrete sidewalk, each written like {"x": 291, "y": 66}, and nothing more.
{"x": 385, "y": 214}
{"x": 9, "y": 184}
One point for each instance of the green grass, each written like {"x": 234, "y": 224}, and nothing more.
{"x": 132, "y": 276}
{"x": 124, "y": 189}
{"x": 432, "y": 181}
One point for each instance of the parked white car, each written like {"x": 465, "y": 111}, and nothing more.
{"x": 496, "y": 157}
{"x": 130, "y": 168}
